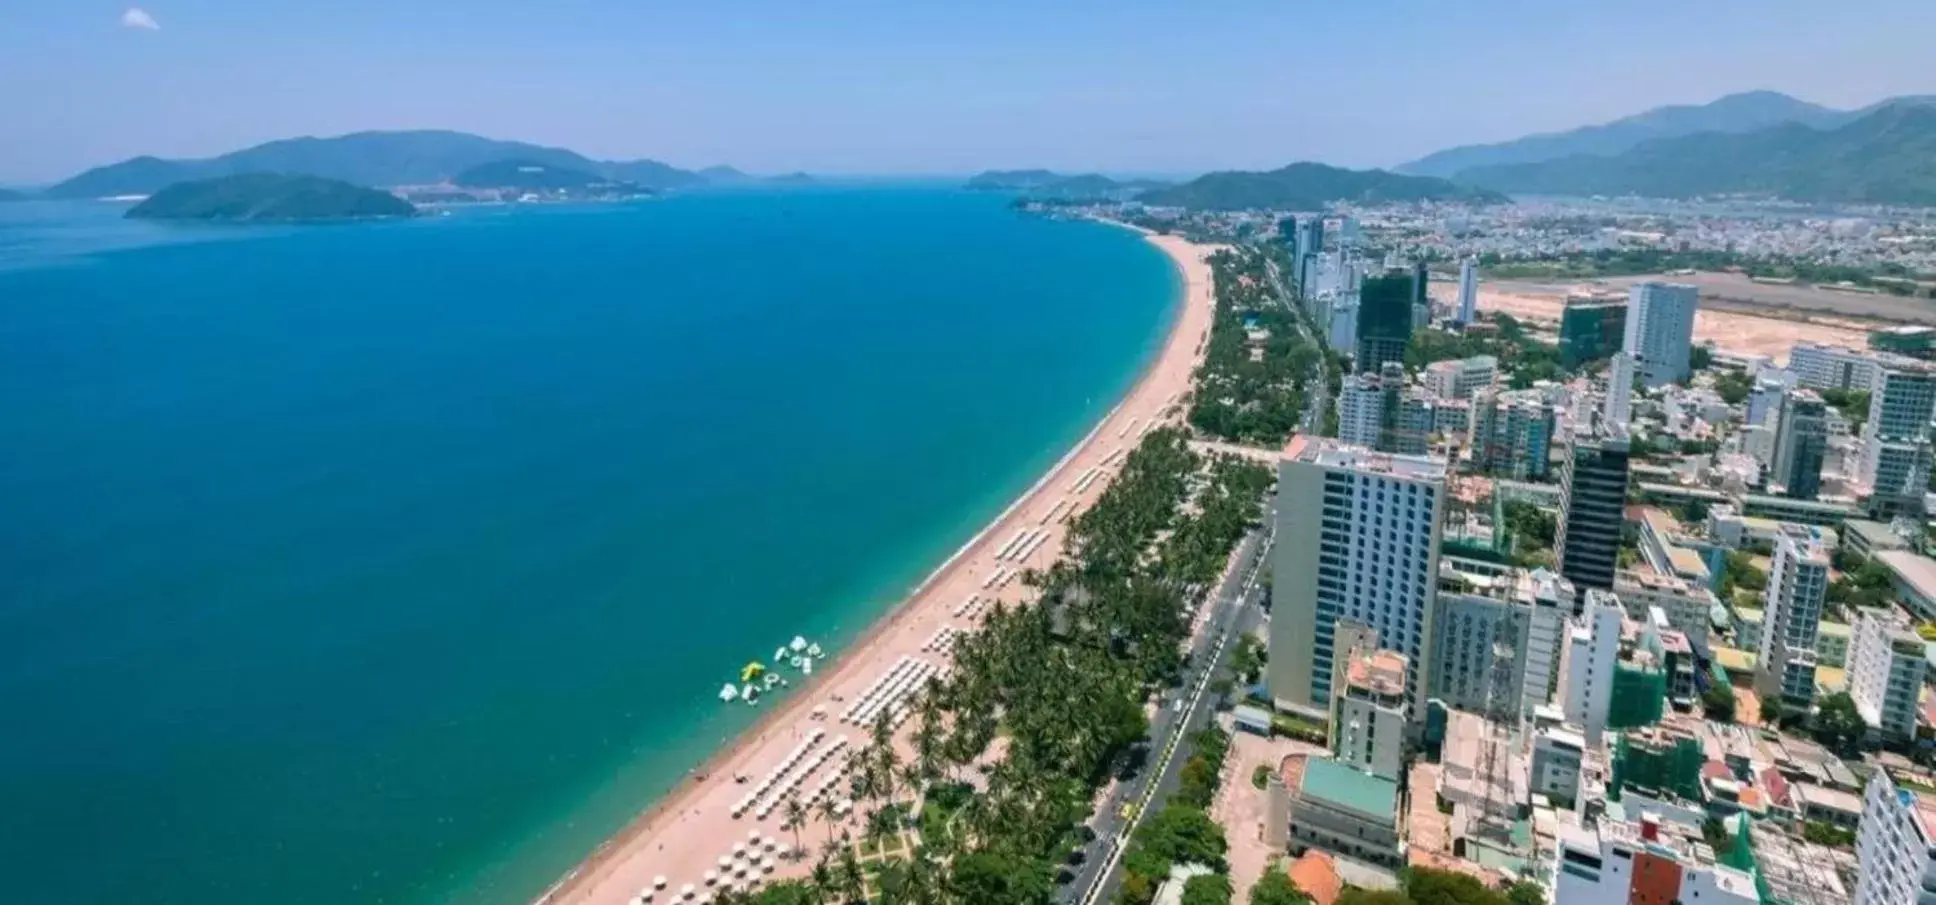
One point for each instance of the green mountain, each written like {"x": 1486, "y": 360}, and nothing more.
{"x": 1734, "y": 113}
{"x": 362, "y": 158}
{"x": 1886, "y": 157}
{"x": 1311, "y": 186}
{"x": 269, "y": 197}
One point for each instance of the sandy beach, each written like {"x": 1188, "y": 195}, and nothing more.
{"x": 685, "y": 834}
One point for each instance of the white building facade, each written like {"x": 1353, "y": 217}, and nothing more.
{"x": 1592, "y": 648}
{"x": 1660, "y": 330}
{"x": 1357, "y": 539}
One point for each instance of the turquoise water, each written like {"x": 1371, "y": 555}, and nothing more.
{"x": 399, "y": 563}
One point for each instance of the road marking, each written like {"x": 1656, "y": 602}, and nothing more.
{"x": 1116, "y": 843}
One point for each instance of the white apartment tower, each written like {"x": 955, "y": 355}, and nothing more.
{"x": 1886, "y": 672}
{"x": 1357, "y": 540}
{"x": 1660, "y": 330}
{"x": 1792, "y": 615}
{"x": 1620, "y": 378}
{"x": 1896, "y": 439}
{"x": 1587, "y": 661}
{"x": 1896, "y": 845}
{"x": 1468, "y": 290}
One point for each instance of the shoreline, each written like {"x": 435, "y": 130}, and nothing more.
{"x": 619, "y": 867}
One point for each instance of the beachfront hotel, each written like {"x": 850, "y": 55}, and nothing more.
{"x": 1357, "y": 543}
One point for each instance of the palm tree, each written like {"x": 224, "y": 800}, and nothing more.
{"x": 795, "y": 818}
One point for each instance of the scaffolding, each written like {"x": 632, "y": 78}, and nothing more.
{"x": 1639, "y": 696}
{"x": 1658, "y": 762}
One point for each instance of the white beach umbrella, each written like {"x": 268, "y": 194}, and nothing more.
{"x": 710, "y": 877}
{"x": 685, "y": 892}
{"x": 753, "y": 836}
{"x": 725, "y": 860}
{"x": 659, "y": 882}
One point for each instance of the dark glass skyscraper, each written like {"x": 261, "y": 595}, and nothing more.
{"x": 1593, "y": 503}
{"x": 1384, "y": 321}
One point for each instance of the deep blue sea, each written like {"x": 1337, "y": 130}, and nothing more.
{"x": 400, "y": 562}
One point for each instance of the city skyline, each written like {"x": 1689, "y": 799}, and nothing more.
{"x": 858, "y": 87}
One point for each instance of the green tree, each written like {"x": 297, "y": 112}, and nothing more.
{"x": 1356, "y": 896}
{"x": 1000, "y": 879}
{"x": 1426, "y": 886}
{"x": 1207, "y": 889}
{"x": 1838, "y": 725}
{"x": 1526, "y": 893}
{"x": 1276, "y": 888}
{"x": 1717, "y": 703}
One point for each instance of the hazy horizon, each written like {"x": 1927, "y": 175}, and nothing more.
{"x": 870, "y": 88}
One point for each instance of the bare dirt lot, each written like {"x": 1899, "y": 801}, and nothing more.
{"x": 1737, "y": 327}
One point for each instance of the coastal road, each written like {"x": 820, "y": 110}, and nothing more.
{"x": 1314, "y": 412}
{"x": 1235, "y": 609}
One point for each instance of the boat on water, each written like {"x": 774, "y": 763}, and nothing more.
{"x": 813, "y": 650}
{"x": 729, "y": 693}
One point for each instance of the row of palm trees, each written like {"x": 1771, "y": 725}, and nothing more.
{"x": 1061, "y": 684}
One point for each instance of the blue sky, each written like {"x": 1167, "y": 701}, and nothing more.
{"x": 909, "y": 86}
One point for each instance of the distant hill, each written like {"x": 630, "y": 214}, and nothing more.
{"x": 269, "y": 197}
{"x": 362, "y": 158}
{"x": 1885, "y": 157}
{"x": 528, "y": 176}
{"x": 9, "y": 195}
{"x": 1050, "y": 184}
{"x": 1733, "y": 113}
{"x": 795, "y": 178}
{"x": 1311, "y": 186}
{"x": 1012, "y": 180}
{"x": 723, "y": 175}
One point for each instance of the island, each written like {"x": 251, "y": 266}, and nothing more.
{"x": 8, "y": 195}
{"x": 531, "y": 180}
{"x": 269, "y": 198}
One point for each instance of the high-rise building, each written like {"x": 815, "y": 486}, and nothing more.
{"x": 1660, "y": 330}
{"x": 1619, "y": 402}
{"x": 1460, "y": 378}
{"x": 1591, "y": 328}
{"x": 1792, "y": 615}
{"x": 1371, "y": 713}
{"x": 1895, "y": 462}
{"x": 1357, "y": 540}
{"x": 1496, "y": 647}
{"x": 1886, "y": 665}
{"x": 1384, "y": 321}
{"x": 1587, "y": 661}
{"x": 1895, "y": 845}
{"x": 1511, "y": 433}
{"x": 1823, "y": 367}
{"x": 1770, "y": 387}
{"x": 1915, "y": 342}
{"x": 1421, "y": 296}
{"x": 1361, "y": 409}
{"x": 1593, "y": 503}
{"x": 1801, "y": 443}
{"x": 1468, "y": 290}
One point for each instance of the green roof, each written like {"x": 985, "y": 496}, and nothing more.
{"x": 1333, "y": 782}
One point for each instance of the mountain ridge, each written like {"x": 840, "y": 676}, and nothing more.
{"x": 1311, "y": 186}
{"x": 369, "y": 158}
{"x": 1885, "y": 157}
{"x": 1734, "y": 113}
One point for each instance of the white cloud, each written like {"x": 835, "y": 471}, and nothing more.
{"x": 136, "y": 17}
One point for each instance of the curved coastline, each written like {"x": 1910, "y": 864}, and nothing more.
{"x": 615, "y": 870}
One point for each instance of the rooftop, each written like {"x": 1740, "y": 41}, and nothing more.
{"x": 1919, "y": 572}
{"x": 1380, "y": 672}
{"x": 1327, "y": 780}
{"x": 1330, "y": 453}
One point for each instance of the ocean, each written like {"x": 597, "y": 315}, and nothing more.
{"x": 401, "y": 562}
